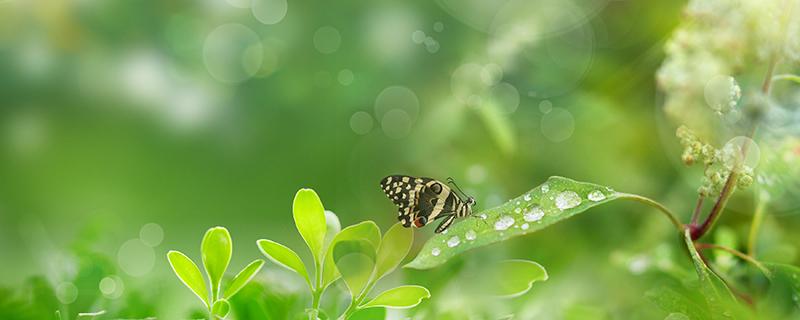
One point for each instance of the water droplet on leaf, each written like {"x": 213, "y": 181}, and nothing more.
{"x": 596, "y": 195}
{"x": 454, "y": 241}
{"x": 504, "y": 223}
{"x": 567, "y": 199}
{"x": 470, "y": 235}
{"x": 435, "y": 251}
{"x": 534, "y": 214}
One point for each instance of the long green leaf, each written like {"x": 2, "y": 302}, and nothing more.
{"x": 309, "y": 218}
{"x": 366, "y": 230}
{"x": 216, "y": 250}
{"x": 401, "y": 297}
{"x": 284, "y": 257}
{"x": 243, "y": 277}
{"x": 188, "y": 272}
{"x": 554, "y": 201}
{"x": 783, "y": 298}
{"x": 720, "y": 300}
{"x": 393, "y": 248}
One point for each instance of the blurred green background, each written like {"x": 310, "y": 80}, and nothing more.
{"x": 177, "y": 116}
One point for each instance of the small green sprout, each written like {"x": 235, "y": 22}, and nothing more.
{"x": 357, "y": 254}
{"x": 216, "y": 249}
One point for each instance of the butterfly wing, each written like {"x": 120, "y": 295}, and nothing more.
{"x": 404, "y": 192}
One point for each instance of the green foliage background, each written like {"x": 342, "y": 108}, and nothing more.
{"x": 110, "y": 120}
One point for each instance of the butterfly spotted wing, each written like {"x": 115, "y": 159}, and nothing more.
{"x": 421, "y": 200}
{"x": 404, "y": 191}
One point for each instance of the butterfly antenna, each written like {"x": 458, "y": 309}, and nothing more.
{"x": 453, "y": 183}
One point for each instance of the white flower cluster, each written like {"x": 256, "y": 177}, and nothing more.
{"x": 720, "y": 40}
{"x": 712, "y": 76}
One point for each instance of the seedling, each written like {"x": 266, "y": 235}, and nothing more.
{"x": 216, "y": 249}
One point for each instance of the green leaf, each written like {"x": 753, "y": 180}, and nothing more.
{"x": 393, "y": 248}
{"x": 671, "y": 300}
{"x": 512, "y": 278}
{"x": 366, "y": 230}
{"x": 221, "y": 309}
{"x": 368, "y": 314}
{"x": 284, "y": 257}
{"x": 355, "y": 260}
{"x": 783, "y": 297}
{"x": 332, "y": 225}
{"x": 554, "y": 201}
{"x": 216, "y": 250}
{"x": 309, "y": 217}
{"x": 243, "y": 277}
{"x": 189, "y": 274}
{"x": 720, "y": 301}
{"x": 401, "y": 297}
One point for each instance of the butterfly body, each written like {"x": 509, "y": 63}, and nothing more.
{"x": 421, "y": 200}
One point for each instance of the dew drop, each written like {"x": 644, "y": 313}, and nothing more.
{"x": 470, "y": 235}
{"x": 504, "y": 223}
{"x": 527, "y": 197}
{"x": 483, "y": 216}
{"x": 518, "y": 203}
{"x": 517, "y": 210}
{"x": 525, "y": 226}
{"x": 454, "y": 241}
{"x": 445, "y": 231}
{"x": 545, "y": 188}
{"x": 534, "y": 214}
{"x": 435, "y": 251}
{"x": 596, "y": 195}
{"x": 567, "y": 199}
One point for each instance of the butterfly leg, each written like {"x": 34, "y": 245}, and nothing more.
{"x": 446, "y": 223}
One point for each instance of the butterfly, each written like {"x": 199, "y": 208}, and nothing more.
{"x": 422, "y": 200}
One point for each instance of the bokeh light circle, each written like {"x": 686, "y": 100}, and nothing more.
{"x": 269, "y": 11}
{"x": 66, "y": 292}
{"x": 397, "y": 97}
{"x": 545, "y": 106}
{"x": 345, "y": 77}
{"x": 721, "y": 92}
{"x": 396, "y": 123}
{"x": 232, "y": 53}
{"x": 361, "y": 122}
{"x": 557, "y": 125}
{"x": 111, "y": 287}
{"x": 506, "y": 97}
{"x": 733, "y": 152}
{"x": 467, "y": 81}
{"x": 327, "y": 40}
{"x": 418, "y": 36}
{"x": 135, "y": 258}
{"x": 151, "y": 234}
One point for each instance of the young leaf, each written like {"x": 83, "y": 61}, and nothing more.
{"x": 401, "y": 297}
{"x": 309, "y": 218}
{"x": 719, "y": 299}
{"x": 216, "y": 250}
{"x": 189, "y": 274}
{"x": 284, "y": 257}
{"x": 244, "y": 276}
{"x": 221, "y": 309}
{"x": 512, "y": 278}
{"x": 554, "y": 201}
{"x": 333, "y": 226}
{"x": 355, "y": 260}
{"x": 366, "y": 230}
{"x": 393, "y": 248}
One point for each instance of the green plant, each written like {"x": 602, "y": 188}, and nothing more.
{"x": 216, "y": 250}
{"x": 357, "y": 254}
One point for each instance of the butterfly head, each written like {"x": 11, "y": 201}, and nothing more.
{"x": 471, "y": 201}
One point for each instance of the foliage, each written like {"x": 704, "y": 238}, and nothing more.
{"x": 216, "y": 248}
{"x": 357, "y": 254}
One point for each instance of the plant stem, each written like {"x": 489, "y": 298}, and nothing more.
{"x": 724, "y": 195}
{"x": 741, "y": 255}
{"x": 697, "y": 209}
{"x": 755, "y": 226}
{"x": 671, "y": 216}
{"x": 316, "y": 290}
